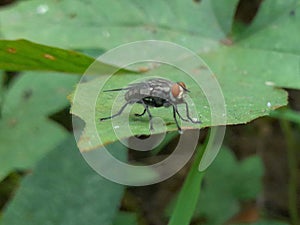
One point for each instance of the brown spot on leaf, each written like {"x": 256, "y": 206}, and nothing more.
{"x": 197, "y": 1}
{"x": 227, "y": 41}
{"x": 143, "y": 69}
{"x": 72, "y": 15}
{"x": 50, "y": 57}
{"x": 12, "y": 50}
{"x": 198, "y": 69}
{"x": 12, "y": 122}
{"x": 151, "y": 28}
{"x": 27, "y": 94}
{"x": 292, "y": 13}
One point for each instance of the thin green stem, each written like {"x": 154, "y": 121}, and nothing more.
{"x": 2, "y": 78}
{"x": 287, "y": 114}
{"x": 189, "y": 194}
{"x": 292, "y": 165}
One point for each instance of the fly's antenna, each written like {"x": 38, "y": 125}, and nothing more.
{"x": 183, "y": 86}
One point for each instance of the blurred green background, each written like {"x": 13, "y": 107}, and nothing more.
{"x": 253, "y": 47}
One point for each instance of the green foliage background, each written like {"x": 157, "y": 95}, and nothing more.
{"x": 244, "y": 61}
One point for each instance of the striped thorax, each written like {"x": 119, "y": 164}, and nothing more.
{"x": 157, "y": 92}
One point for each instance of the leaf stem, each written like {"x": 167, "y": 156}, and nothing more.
{"x": 190, "y": 192}
{"x": 292, "y": 167}
{"x": 286, "y": 114}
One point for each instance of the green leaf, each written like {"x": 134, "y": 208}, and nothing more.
{"x": 2, "y": 88}
{"x": 249, "y": 179}
{"x": 256, "y": 100}
{"x": 254, "y": 68}
{"x": 217, "y": 190}
{"x": 125, "y": 218}
{"x": 106, "y": 24}
{"x": 275, "y": 28}
{"x": 23, "y": 143}
{"x": 248, "y": 70}
{"x": 38, "y": 94}
{"x": 189, "y": 194}
{"x": 224, "y": 13}
{"x": 63, "y": 189}
{"x": 226, "y": 183}
{"x": 287, "y": 114}
{"x": 83, "y": 107}
{"x": 25, "y": 55}
{"x": 265, "y": 222}
{"x": 26, "y": 134}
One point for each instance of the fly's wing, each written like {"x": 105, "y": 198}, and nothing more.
{"x": 117, "y": 89}
{"x": 130, "y": 86}
{"x": 138, "y": 85}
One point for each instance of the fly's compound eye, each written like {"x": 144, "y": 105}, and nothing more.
{"x": 177, "y": 90}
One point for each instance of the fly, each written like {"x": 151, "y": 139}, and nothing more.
{"x": 156, "y": 92}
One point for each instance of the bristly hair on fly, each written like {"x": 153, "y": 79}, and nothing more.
{"x": 155, "y": 92}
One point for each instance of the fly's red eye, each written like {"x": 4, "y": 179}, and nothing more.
{"x": 175, "y": 90}
{"x": 182, "y": 84}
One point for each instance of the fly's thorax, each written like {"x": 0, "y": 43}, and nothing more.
{"x": 161, "y": 92}
{"x": 137, "y": 93}
{"x": 157, "y": 89}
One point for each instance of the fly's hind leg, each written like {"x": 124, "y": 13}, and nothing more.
{"x": 149, "y": 114}
{"x": 117, "y": 114}
{"x": 175, "y": 118}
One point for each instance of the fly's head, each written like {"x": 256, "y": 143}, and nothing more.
{"x": 178, "y": 91}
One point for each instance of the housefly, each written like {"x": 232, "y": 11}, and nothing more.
{"x": 156, "y": 92}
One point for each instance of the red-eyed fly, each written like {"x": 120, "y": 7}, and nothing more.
{"x": 156, "y": 92}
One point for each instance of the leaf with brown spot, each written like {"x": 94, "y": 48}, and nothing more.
{"x": 25, "y": 55}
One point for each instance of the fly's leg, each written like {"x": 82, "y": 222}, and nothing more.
{"x": 117, "y": 114}
{"x": 149, "y": 114}
{"x": 176, "y": 109}
{"x": 188, "y": 114}
{"x": 175, "y": 118}
{"x": 137, "y": 114}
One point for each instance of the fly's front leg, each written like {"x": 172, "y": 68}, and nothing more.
{"x": 188, "y": 114}
{"x": 118, "y": 113}
{"x": 176, "y": 109}
{"x": 175, "y": 118}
